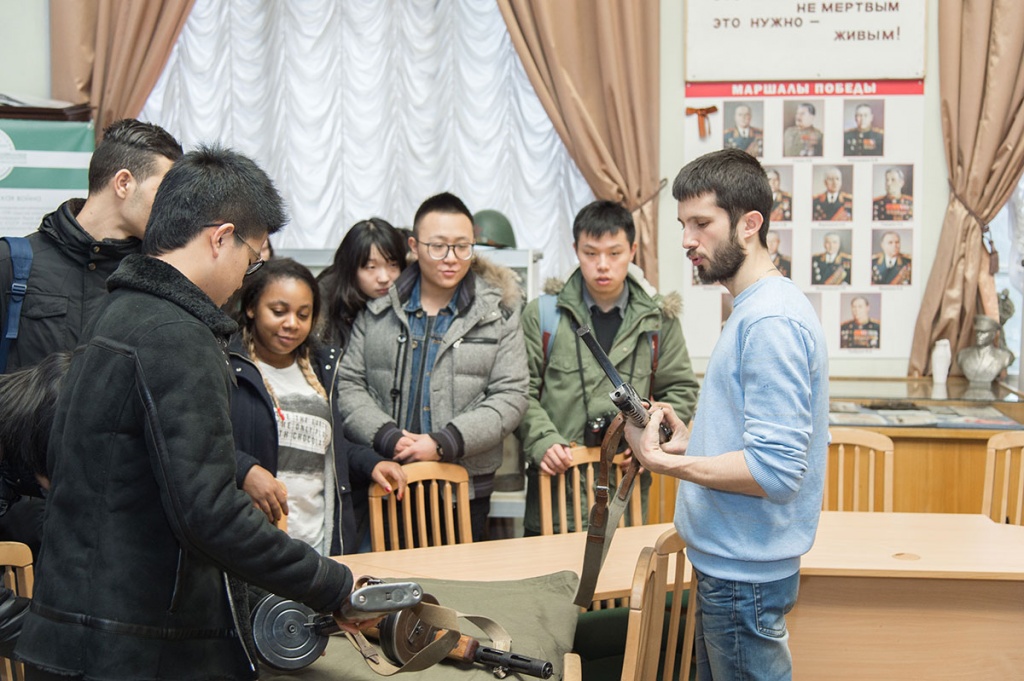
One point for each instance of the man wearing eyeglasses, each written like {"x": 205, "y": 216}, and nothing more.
{"x": 436, "y": 369}
{"x": 149, "y": 542}
{"x": 73, "y": 252}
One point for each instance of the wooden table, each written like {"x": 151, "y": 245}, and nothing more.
{"x": 882, "y": 595}
{"x": 910, "y": 596}
{"x": 514, "y": 559}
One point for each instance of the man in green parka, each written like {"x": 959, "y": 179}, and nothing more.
{"x": 639, "y": 329}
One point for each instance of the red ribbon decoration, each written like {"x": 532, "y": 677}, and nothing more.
{"x": 703, "y": 124}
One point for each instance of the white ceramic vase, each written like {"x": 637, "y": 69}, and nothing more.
{"x": 942, "y": 356}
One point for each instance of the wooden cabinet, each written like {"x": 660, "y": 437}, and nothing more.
{"x": 936, "y": 470}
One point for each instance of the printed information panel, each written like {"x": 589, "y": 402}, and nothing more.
{"x": 42, "y": 164}
{"x": 744, "y": 40}
{"x": 844, "y": 162}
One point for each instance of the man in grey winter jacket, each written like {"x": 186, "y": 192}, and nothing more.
{"x": 436, "y": 369}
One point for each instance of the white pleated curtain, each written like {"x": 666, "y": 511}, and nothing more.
{"x": 364, "y": 108}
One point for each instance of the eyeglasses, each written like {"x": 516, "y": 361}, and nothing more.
{"x": 439, "y": 250}
{"x": 253, "y": 266}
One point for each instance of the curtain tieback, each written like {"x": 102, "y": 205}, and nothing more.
{"x": 661, "y": 185}
{"x": 986, "y": 236}
{"x": 703, "y": 124}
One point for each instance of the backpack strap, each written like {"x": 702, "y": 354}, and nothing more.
{"x": 549, "y": 314}
{"x": 21, "y": 266}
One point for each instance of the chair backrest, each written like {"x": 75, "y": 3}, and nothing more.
{"x": 434, "y": 511}
{"x": 16, "y": 564}
{"x": 1003, "y": 498}
{"x": 859, "y": 472}
{"x": 646, "y": 647}
{"x": 574, "y": 494}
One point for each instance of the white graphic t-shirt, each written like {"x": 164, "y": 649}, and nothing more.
{"x": 304, "y": 438}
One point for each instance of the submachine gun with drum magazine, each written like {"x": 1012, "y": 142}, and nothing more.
{"x": 604, "y": 518}
{"x": 415, "y": 633}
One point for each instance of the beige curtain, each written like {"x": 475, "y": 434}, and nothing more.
{"x": 110, "y": 53}
{"x": 981, "y": 75}
{"x": 595, "y": 67}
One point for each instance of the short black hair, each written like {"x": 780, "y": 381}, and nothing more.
{"x": 810, "y": 108}
{"x": 603, "y": 217}
{"x": 28, "y": 402}
{"x": 444, "y": 202}
{"x": 133, "y": 146}
{"x": 735, "y": 178}
{"x": 212, "y": 185}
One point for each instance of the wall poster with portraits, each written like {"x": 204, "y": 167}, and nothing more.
{"x": 840, "y": 151}
{"x": 843, "y": 217}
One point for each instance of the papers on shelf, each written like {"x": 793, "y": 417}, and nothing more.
{"x": 943, "y": 416}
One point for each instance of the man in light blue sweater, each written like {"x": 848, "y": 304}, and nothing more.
{"x": 752, "y": 478}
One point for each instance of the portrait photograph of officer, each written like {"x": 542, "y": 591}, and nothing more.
{"x": 860, "y": 327}
{"x": 804, "y": 120}
{"x": 780, "y": 249}
{"x": 863, "y": 127}
{"x": 832, "y": 265}
{"x": 890, "y": 256}
{"x": 780, "y": 178}
{"x": 833, "y": 197}
{"x": 745, "y": 127}
{"x": 892, "y": 187}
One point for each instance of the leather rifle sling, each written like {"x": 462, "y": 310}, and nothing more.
{"x": 604, "y": 518}
{"x": 442, "y": 618}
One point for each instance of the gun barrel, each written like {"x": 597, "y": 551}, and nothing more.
{"x": 631, "y": 405}
{"x": 600, "y": 355}
{"x": 514, "y": 662}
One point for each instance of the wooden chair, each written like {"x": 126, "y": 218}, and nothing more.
{"x": 646, "y": 648}
{"x": 1003, "y": 499}
{"x": 434, "y": 511}
{"x": 859, "y": 472}
{"x": 570, "y": 504}
{"x": 16, "y": 563}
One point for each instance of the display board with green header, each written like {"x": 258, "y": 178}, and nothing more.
{"x": 42, "y": 164}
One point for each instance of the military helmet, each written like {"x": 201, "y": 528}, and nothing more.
{"x": 493, "y": 229}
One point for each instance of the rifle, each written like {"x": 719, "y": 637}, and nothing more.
{"x": 604, "y": 518}
{"x": 415, "y": 632}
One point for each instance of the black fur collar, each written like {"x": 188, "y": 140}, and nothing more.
{"x": 149, "y": 275}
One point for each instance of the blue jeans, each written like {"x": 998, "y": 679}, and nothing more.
{"x": 740, "y": 632}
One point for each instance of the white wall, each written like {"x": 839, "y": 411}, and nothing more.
{"x": 25, "y": 47}
{"x": 673, "y": 156}
{"x": 24, "y": 68}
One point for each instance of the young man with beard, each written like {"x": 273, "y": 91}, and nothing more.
{"x": 751, "y": 481}
{"x": 436, "y": 369}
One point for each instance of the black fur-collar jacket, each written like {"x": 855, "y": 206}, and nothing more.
{"x": 144, "y": 521}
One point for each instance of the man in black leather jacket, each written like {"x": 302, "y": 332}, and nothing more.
{"x": 74, "y": 250}
{"x": 146, "y": 531}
